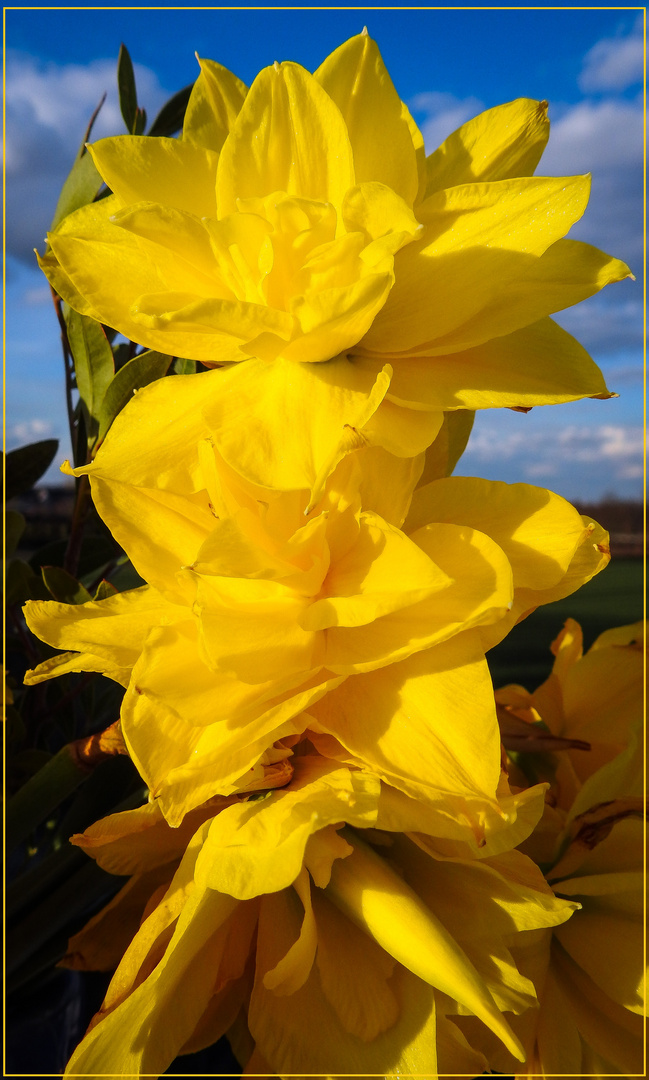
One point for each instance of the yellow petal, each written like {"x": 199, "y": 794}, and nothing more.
{"x": 610, "y": 1030}
{"x": 591, "y": 556}
{"x": 538, "y": 530}
{"x": 161, "y": 531}
{"x": 261, "y": 427}
{"x": 114, "y": 629}
{"x": 137, "y": 841}
{"x": 158, "y": 1005}
{"x": 426, "y": 726}
{"x": 294, "y": 968}
{"x": 213, "y": 106}
{"x": 567, "y": 273}
{"x": 258, "y": 847}
{"x": 167, "y": 171}
{"x": 353, "y": 973}
{"x": 498, "y": 144}
{"x": 288, "y": 136}
{"x": 376, "y": 210}
{"x": 538, "y": 365}
{"x": 305, "y": 1032}
{"x": 376, "y": 898}
{"x": 356, "y": 78}
{"x": 478, "y": 238}
{"x": 480, "y": 592}
{"x": 382, "y": 572}
{"x": 257, "y": 630}
{"x": 102, "y": 942}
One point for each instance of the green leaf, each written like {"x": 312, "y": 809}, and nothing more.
{"x": 41, "y": 794}
{"x": 80, "y": 188}
{"x": 125, "y": 576}
{"x": 140, "y": 122}
{"x": 96, "y": 552}
{"x": 63, "y": 587}
{"x": 21, "y": 767}
{"x": 121, "y": 353}
{"x": 27, "y": 464}
{"x": 22, "y": 584}
{"x": 85, "y": 886}
{"x": 104, "y": 590}
{"x": 138, "y": 372}
{"x": 126, "y": 87}
{"x": 93, "y": 362}
{"x": 184, "y": 367}
{"x": 172, "y": 114}
{"x": 444, "y": 453}
{"x": 14, "y": 528}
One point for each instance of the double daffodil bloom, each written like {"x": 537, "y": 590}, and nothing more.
{"x": 335, "y": 946}
{"x": 297, "y": 225}
{"x": 255, "y": 617}
{"x": 589, "y": 974}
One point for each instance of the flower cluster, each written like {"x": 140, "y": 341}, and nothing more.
{"x": 337, "y": 868}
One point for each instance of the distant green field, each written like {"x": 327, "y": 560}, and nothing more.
{"x": 612, "y": 598}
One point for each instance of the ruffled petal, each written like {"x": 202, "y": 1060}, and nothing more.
{"x": 171, "y": 172}
{"x": 289, "y": 136}
{"x": 498, "y": 144}
{"x": 426, "y": 726}
{"x": 477, "y": 240}
{"x": 356, "y": 78}
{"x": 213, "y": 106}
{"x": 540, "y": 364}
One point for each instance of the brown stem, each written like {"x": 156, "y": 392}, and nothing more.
{"x": 68, "y": 362}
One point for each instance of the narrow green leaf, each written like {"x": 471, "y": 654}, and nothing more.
{"x": 41, "y": 795}
{"x": 25, "y": 764}
{"x": 93, "y": 362}
{"x": 27, "y": 464}
{"x": 126, "y": 88}
{"x": 39, "y": 880}
{"x": 80, "y": 188}
{"x": 140, "y": 122}
{"x": 138, "y": 372}
{"x": 14, "y": 528}
{"x": 63, "y": 587}
{"x": 170, "y": 118}
{"x": 184, "y": 367}
{"x": 72, "y": 897}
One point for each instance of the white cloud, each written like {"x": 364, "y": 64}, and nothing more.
{"x": 544, "y": 451}
{"x": 610, "y": 322}
{"x": 48, "y": 109}
{"x": 596, "y": 135}
{"x": 443, "y": 114}
{"x": 27, "y": 431}
{"x": 614, "y": 63}
{"x": 37, "y": 296}
{"x": 604, "y": 138}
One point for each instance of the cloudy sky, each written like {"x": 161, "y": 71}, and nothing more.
{"x": 448, "y": 65}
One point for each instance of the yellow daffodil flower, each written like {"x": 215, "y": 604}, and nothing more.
{"x": 346, "y": 951}
{"x": 263, "y": 616}
{"x": 596, "y": 698}
{"x": 298, "y": 226}
{"x": 589, "y": 974}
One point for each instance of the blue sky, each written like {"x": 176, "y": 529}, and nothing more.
{"x": 448, "y": 65}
